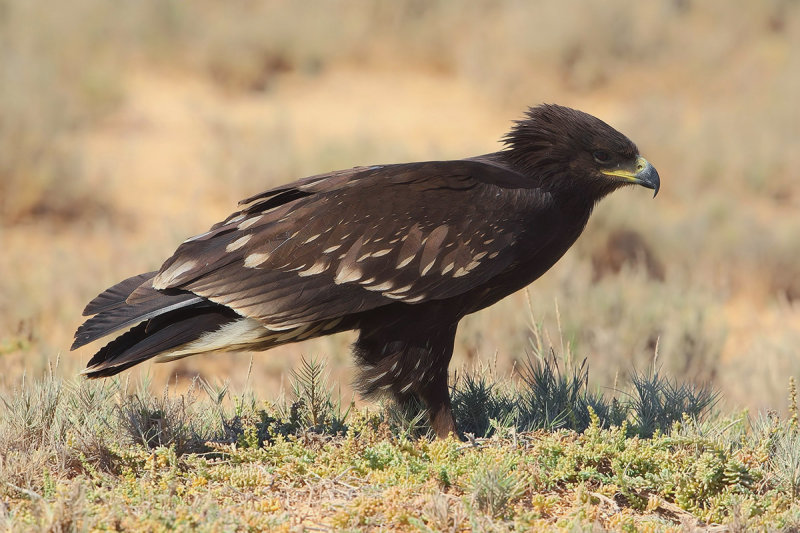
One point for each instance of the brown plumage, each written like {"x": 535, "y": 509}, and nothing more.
{"x": 398, "y": 252}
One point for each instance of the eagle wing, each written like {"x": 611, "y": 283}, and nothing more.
{"x": 346, "y": 242}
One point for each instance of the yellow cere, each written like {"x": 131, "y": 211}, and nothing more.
{"x": 641, "y": 164}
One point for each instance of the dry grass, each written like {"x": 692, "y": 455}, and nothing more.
{"x": 92, "y": 455}
{"x": 125, "y": 129}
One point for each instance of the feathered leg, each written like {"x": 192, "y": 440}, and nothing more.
{"x": 407, "y": 357}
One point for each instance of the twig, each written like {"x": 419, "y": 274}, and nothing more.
{"x": 27, "y": 492}
{"x": 605, "y": 499}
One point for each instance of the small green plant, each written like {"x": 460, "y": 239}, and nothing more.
{"x": 313, "y": 405}
{"x": 31, "y": 411}
{"x": 547, "y": 397}
{"x": 408, "y": 419}
{"x": 163, "y": 420}
{"x": 495, "y": 488}
{"x": 552, "y": 399}
{"x": 477, "y": 402}
{"x": 657, "y": 402}
{"x": 793, "y": 420}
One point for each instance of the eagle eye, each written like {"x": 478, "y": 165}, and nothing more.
{"x": 601, "y": 156}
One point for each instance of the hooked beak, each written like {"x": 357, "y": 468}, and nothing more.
{"x": 643, "y": 174}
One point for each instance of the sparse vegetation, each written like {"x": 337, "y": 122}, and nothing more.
{"x": 109, "y": 110}
{"x": 83, "y": 455}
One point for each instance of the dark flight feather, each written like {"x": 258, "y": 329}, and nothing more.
{"x": 145, "y": 341}
{"x": 116, "y": 295}
{"x": 398, "y": 252}
{"x": 113, "y": 313}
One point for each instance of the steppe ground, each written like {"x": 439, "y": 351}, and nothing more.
{"x": 127, "y": 127}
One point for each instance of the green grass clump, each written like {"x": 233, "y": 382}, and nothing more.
{"x": 547, "y": 397}
{"x": 93, "y": 454}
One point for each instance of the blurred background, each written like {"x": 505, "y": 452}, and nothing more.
{"x": 126, "y": 127}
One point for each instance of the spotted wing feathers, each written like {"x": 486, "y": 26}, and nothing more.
{"x": 348, "y": 242}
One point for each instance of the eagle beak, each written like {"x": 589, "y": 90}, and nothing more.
{"x": 644, "y": 174}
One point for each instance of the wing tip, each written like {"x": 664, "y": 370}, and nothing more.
{"x": 88, "y": 332}
{"x": 116, "y": 294}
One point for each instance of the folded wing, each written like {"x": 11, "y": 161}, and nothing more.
{"x": 351, "y": 241}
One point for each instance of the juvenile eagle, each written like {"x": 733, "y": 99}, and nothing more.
{"x": 398, "y": 252}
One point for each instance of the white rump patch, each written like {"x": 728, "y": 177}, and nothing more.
{"x": 238, "y": 334}
{"x": 253, "y": 260}
{"x": 238, "y": 243}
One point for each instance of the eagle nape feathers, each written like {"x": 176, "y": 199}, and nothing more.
{"x": 398, "y": 252}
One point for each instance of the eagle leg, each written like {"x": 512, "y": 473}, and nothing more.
{"x": 408, "y": 357}
{"x": 440, "y": 410}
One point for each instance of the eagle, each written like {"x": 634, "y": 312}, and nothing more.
{"x": 398, "y": 252}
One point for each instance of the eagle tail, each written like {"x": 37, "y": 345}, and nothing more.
{"x": 112, "y": 312}
{"x": 163, "y": 324}
{"x": 170, "y": 324}
{"x": 176, "y": 334}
